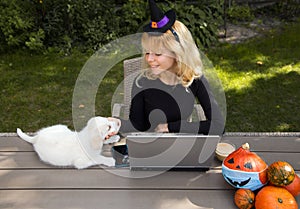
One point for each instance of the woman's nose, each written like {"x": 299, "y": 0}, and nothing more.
{"x": 150, "y": 57}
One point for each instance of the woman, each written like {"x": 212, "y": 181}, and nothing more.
{"x": 163, "y": 95}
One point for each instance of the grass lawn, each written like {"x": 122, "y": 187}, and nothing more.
{"x": 261, "y": 79}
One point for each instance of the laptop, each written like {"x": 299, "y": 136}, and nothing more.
{"x": 165, "y": 151}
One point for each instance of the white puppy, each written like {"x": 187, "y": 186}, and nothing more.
{"x": 59, "y": 146}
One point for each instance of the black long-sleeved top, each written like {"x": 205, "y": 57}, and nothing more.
{"x": 154, "y": 102}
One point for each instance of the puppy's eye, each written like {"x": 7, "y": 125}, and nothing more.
{"x": 108, "y": 127}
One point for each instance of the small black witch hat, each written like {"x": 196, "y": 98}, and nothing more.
{"x": 160, "y": 22}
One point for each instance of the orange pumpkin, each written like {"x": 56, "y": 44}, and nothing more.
{"x": 244, "y": 160}
{"x": 244, "y": 198}
{"x": 280, "y": 173}
{"x": 244, "y": 169}
{"x": 272, "y": 197}
{"x": 294, "y": 187}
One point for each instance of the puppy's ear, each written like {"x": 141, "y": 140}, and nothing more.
{"x": 91, "y": 123}
{"x": 96, "y": 131}
{"x": 95, "y": 144}
{"x": 94, "y": 124}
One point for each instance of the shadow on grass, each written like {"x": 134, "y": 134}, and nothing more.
{"x": 276, "y": 102}
{"x": 36, "y": 90}
{"x": 261, "y": 78}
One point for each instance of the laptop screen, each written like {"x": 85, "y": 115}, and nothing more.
{"x": 167, "y": 151}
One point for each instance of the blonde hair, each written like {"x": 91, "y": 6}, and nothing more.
{"x": 188, "y": 60}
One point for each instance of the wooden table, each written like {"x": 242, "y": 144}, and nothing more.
{"x": 26, "y": 182}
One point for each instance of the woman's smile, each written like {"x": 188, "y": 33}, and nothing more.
{"x": 159, "y": 62}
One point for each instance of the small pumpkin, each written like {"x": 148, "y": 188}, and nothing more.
{"x": 245, "y": 169}
{"x": 244, "y": 198}
{"x": 280, "y": 173}
{"x": 272, "y": 197}
{"x": 294, "y": 187}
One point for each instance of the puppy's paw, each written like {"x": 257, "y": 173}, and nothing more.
{"x": 109, "y": 161}
{"x": 82, "y": 164}
{"x": 112, "y": 139}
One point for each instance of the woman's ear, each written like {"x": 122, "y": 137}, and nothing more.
{"x": 176, "y": 58}
{"x": 178, "y": 63}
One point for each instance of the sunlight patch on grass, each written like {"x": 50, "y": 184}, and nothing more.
{"x": 240, "y": 81}
{"x": 261, "y": 59}
{"x": 283, "y": 127}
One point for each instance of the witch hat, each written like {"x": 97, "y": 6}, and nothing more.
{"x": 160, "y": 22}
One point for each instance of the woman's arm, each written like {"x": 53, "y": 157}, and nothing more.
{"x": 214, "y": 123}
{"x": 137, "y": 120}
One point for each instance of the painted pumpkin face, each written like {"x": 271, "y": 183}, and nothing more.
{"x": 244, "y": 169}
{"x": 243, "y": 179}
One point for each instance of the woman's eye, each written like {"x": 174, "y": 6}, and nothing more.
{"x": 156, "y": 54}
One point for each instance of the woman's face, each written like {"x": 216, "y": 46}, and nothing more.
{"x": 161, "y": 61}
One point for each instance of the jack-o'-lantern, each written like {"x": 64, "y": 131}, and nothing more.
{"x": 245, "y": 169}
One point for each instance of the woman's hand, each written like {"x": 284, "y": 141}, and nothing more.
{"x": 162, "y": 128}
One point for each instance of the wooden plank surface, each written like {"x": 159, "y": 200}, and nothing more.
{"x": 14, "y": 143}
{"x": 102, "y": 179}
{"x": 114, "y": 199}
{"x": 26, "y": 182}
{"x": 264, "y": 143}
{"x": 261, "y": 145}
{"x": 30, "y": 160}
{"x": 273, "y": 144}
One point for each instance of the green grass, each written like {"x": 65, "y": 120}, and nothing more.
{"x": 261, "y": 79}
{"x": 36, "y": 90}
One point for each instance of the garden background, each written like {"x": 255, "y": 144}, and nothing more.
{"x": 44, "y": 45}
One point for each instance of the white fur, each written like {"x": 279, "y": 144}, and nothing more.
{"x": 60, "y": 146}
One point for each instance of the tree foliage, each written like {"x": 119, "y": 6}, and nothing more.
{"x": 64, "y": 24}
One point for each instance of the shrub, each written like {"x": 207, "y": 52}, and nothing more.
{"x": 17, "y": 26}
{"x": 35, "y": 41}
{"x": 133, "y": 17}
{"x": 64, "y": 24}
{"x": 240, "y": 13}
{"x": 283, "y": 9}
{"x": 81, "y": 22}
{"x": 203, "y": 19}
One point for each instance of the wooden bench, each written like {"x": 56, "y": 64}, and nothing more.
{"x": 26, "y": 182}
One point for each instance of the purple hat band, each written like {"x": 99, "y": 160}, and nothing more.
{"x": 159, "y": 24}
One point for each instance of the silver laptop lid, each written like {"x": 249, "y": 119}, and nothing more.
{"x": 169, "y": 150}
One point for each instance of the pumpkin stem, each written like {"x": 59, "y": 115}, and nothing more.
{"x": 246, "y": 146}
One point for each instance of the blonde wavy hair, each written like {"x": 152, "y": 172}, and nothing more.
{"x": 188, "y": 60}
